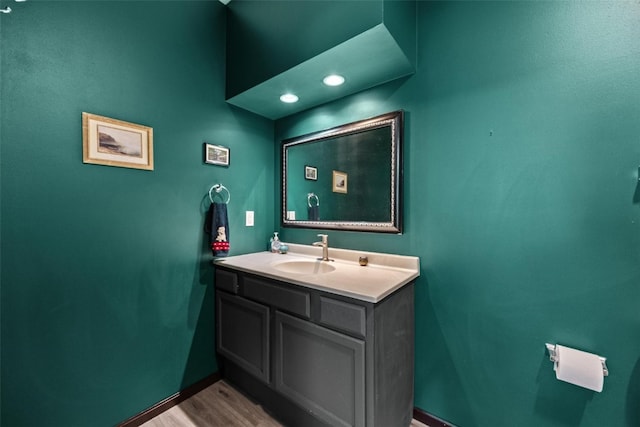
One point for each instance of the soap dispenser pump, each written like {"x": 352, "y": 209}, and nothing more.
{"x": 275, "y": 242}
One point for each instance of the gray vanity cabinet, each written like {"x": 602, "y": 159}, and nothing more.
{"x": 243, "y": 333}
{"x": 320, "y": 369}
{"x": 315, "y": 358}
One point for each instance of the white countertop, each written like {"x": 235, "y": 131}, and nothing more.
{"x": 384, "y": 274}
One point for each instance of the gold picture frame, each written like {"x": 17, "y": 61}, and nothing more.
{"x": 112, "y": 142}
{"x": 339, "y": 182}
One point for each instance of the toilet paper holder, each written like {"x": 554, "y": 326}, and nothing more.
{"x": 553, "y": 356}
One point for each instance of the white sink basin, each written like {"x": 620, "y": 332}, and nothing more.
{"x": 304, "y": 267}
{"x": 383, "y": 274}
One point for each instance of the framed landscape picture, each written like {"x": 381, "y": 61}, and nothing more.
{"x": 112, "y": 142}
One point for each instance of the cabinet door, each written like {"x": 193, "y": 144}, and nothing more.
{"x": 321, "y": 370}
{"x": 243, "y": 333}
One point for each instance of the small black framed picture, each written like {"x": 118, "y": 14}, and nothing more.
{"x": 216, "y": 154}
{"x": 311, "y": 173}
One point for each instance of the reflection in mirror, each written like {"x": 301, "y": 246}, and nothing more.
{"x": 348, "y": 177}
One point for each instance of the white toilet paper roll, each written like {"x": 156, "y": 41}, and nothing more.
{"x": 579, "y": 368}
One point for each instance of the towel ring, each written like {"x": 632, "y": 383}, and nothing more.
{"x": 219, "y": 188}
{"x": 311, "y": 196}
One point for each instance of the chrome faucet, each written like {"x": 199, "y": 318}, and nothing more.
{"x": 325, "y": 247}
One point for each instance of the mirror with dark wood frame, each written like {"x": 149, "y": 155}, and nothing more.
{"x": 347, "y": 178}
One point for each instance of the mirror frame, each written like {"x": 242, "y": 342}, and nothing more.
{"x": 393, "y": 119}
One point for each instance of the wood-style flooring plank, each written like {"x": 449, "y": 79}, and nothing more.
{"x": 219, "y": 405}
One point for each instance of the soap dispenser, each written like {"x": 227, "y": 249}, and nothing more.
{"x": 275, "y": 243}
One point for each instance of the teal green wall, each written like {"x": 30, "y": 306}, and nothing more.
{"x": 521, "y": 161}
{"x": 266, "y": 38}
{"x": 107, "y": 300}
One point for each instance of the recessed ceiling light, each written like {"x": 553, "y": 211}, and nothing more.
{"x": 333, "y": 80}
{"x": 288, "y": 98}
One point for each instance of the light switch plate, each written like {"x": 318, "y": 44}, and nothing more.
{"x": 249, "y": 218}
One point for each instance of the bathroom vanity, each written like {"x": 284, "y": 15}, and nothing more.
{"x": 320, "y": 343}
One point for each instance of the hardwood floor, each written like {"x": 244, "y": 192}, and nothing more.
{"x": 219, "y": 405}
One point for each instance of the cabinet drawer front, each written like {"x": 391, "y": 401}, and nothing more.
{"x": 291, "y": 300}
{"x": 343, "y": 315}
{"x": 227, "y": 281}
{"x": 243, "y": 334}
{"x": 321, "y": 370}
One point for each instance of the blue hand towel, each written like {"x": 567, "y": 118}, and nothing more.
{"x": 314, "y": 213}
{"x": 218, "y": 228}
